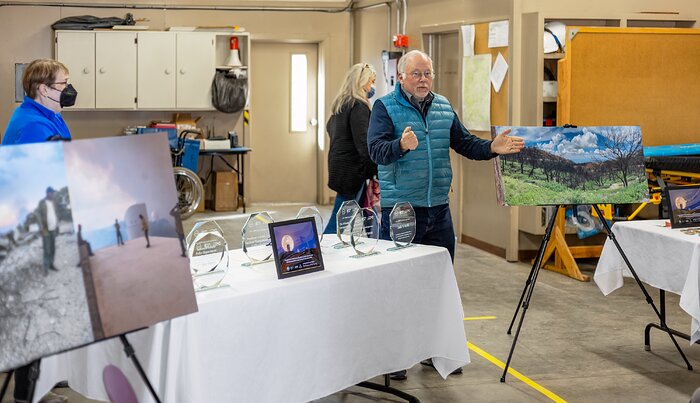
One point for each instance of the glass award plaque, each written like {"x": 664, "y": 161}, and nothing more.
{"x": 343, "y": 219}
{"x": 364, "y": 232}
{"x": 255, "y": 238}
{"x": 208, "y": 252}
{"x": 313, "y": 212}
{"x": 402, "y": 225}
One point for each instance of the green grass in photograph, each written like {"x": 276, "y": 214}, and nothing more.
{"x": 522, "y": 190}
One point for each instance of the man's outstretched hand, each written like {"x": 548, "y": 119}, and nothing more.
{"x": 505, "y": 144}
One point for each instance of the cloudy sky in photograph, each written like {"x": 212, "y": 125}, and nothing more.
{"x": 25, "y": 173}
{"x": 109, "y": 175}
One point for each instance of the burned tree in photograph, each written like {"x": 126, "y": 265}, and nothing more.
{"x": 623, "y": 148}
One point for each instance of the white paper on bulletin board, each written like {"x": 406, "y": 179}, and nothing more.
{"x": 476, "y": 92}
{"x": 467, "y": 40}
{"x": 498, "y": 34}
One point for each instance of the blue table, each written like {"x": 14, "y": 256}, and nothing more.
{"x": 239, "y": 169}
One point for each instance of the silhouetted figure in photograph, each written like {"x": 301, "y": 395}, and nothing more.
{"x": 117, "y": 227}
{"x": 82, "y": 242}
{"x": 48, "y": 225}
{"x": 175, "y": 212}
{"x": 144, "y": 227}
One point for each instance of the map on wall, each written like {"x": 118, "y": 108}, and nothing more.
{"x": 579, "y": 165}
{"x": 476, "y": 92}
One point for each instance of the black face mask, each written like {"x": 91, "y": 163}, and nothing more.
{"x": 68, "y": 96}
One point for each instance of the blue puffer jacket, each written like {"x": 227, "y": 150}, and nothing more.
{"x": 422, "y": 176}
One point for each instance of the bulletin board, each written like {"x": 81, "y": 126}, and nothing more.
{"x": 499, "y": 100}
{"x": 648, "y": 77}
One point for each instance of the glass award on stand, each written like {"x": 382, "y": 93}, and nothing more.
{"x": 343, "y": 219}
{"x": 364, "y": 232}
{"x": 208, "y": 252}
{"x": 402, "y": 225}
{"x": 313, "y": 212}
{"x": 255, "y": 238}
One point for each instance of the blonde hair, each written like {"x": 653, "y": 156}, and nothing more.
{"x": 40, "y": 71}
{"x": 357, "y": 77}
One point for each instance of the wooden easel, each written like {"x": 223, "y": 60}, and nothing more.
{"x": 564, "y": 255}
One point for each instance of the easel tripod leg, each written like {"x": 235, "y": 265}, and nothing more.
{"x": 529, "y": 288}
{"x": 129, "y": 350}
{"x": 6, "y": 384}
{"x": 648, "y": 298}
{"x": 540, "y": 253}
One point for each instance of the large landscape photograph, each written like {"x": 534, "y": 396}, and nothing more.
{"x": 132, "y": 244}
{"x": 578, "y": 165}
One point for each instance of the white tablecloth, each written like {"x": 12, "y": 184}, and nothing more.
{"x": 662, "y": 257}
{"x": 292, "y": 340}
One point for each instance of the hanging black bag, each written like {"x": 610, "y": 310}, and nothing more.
{"x": 228, "y": 92}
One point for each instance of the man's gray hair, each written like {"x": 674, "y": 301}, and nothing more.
{"x": 404, "y": 59}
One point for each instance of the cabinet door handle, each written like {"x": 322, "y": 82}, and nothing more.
{"x": 182, "y": 71}
{"x": 86, "y": 70}
{"x": 167, "y": 72}
{"x": 102, "y": 70}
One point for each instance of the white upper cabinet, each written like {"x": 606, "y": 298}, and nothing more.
{"x": 77, "y": 51}
{"x": 115, "y": 79}
{"x": 152, "y": 70}
{"x": 157, "y": 70}
{"x": 195, "y": 69}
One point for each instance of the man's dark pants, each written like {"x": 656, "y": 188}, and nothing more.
{"x": 49, "y": 243}
{"x": 433, "y": 227}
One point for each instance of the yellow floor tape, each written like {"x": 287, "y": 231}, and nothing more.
{"x": 516, "y": 374}
{"x": 480, "y": 318}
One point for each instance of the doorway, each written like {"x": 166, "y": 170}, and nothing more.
{"x": 283, "y": 163}
{"x": 443, "y": 48}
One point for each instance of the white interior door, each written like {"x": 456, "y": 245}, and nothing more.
{"x": 283, "y": 163}
{"x": 446, "y": 54}
{"x": 115, "y": 61}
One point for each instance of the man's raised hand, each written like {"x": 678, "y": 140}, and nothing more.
{"x": 409, "y": 141}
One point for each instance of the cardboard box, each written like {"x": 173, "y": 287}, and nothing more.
{"x": 201, "y": 207}
{"x": 225, "y": 191}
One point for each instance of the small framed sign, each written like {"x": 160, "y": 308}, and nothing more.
{"x": 683, "y": 206}
{"x": 296, "y": 247}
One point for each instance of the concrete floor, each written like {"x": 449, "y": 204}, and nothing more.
{"x": 575, "y": 343}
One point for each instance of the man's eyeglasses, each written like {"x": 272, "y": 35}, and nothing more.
{"x": 427, "y": 74}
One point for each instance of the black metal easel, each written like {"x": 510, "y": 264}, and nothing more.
{"x": 386, "y": 388}
{"x": 36, "y": 364}
{"x": 130, "y": 353}
{"x": 6, "y": 383}
{"x": 650, "y": 301}
{"x": 529, "y": 288}
{"x": 532, "y": 279}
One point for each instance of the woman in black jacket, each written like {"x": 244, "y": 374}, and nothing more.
{"x": 349, "y": 165}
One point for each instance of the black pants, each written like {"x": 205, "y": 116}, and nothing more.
{"x": 433, "y": 227}
{"x": 48, "y": 241}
